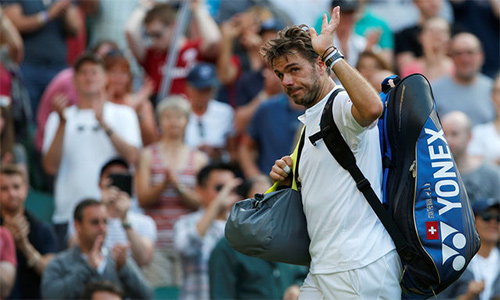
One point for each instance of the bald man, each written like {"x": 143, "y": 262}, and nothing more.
{"x": 467, "y": 90}
{"x": 481, "y": 178}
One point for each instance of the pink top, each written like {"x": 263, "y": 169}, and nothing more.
{"x": 61, "y": 84}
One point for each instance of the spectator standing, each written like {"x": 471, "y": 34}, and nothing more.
{"x": 165, "y": 181}
{"x": 481, "y": 18}
{"x": 466, "y": 90}
{"x": 159, "y": 21}
{"x": 481, "y": 178}
{"x": 8, "y": 263}
{"x": 63, "y": 85}
{"x": 481, "y": 279}
{"x": 196, "y": 234}
{"x": 486, "y": 137}
{"x": 119, "y": 91}
{"x": 263, "y": 141}
{"x": 71, "y": 270}
{"x": 434, "y": 62}
{"x": 35, "y": 241}
{"x": 407, "y": 44}
{"x": 79, "y": 139}
{"x": 210, "y": 125}
{"x": 44, "y": 26}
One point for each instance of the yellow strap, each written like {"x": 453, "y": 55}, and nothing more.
{"x": 294, "y": 159}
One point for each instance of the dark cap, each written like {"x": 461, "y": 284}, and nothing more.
{"x": 346, "y": 5}
{"x": 271, "y": 25}
{"x": 203, "y": 75}
{"x": 484, "y": 204}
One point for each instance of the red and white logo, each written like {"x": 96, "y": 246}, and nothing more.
{"x": 432, "y": 230}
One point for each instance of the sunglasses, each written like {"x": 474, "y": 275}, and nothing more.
{"x": 218, "y": 187}
{"x": 154, "y": 34}
{"x": 487, "y": 216}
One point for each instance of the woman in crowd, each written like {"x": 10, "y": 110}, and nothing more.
{"x": 434, "y": 63}
{"x": 119, "y": 90}
{"x": 165, "y": 181}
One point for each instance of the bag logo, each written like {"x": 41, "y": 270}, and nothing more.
{"x": 458, "y": 242}
{"x": 432, "y": 230}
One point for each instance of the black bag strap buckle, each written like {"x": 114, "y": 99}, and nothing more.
{"x": 363, "y": 184}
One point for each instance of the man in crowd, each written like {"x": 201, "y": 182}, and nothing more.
{"x": 481, "y": 279}
{"x": 467, "y": 90}
{"x": 79, "y": 139}
{"x": 343, "y": 248}
{"x": 124, "y": 225}
{"x": 481, "y": 178}
{"x": 35, "y": 241}
{"x": 196, "y": 234}
{"x": 70, "y": 271}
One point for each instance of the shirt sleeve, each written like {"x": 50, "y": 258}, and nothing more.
{"x": 128, "y": 127}
{"x": 345, "y": 121}
{"x": 50, "y": 131}
{"x": 7, "y": 247}
{"x": 146, "y": 228}
{"x": 187, "y": 240}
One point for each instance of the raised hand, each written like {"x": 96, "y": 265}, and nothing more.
{"x": 119, "y": 255}
{"x": 95, "y": 256}
{"x": 59, "y": 103}
{"x": 325, "y": 39}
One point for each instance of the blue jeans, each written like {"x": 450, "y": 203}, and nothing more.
{"x": 36, "y": 79}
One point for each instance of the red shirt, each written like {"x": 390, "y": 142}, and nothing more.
{"x": 7, "y": 247}
{"x": 155, "y": 60}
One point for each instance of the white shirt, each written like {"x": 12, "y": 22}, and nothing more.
{"x": 212, "y": 128}
{"x": 487, "y": 269}
{"x": 345, "y": 232}
{"x": 86, "y": 147}
{"x": 485, "y": 142}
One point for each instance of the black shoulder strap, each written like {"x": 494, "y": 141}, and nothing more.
{"x": 344, "y": 156}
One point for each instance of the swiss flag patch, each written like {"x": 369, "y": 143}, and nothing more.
{"x": 432, "y": 230}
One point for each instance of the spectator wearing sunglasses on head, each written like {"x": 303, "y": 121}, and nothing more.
{"x": 481, "y": 279}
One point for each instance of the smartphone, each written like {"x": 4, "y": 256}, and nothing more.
{"x": 123, "y": 181}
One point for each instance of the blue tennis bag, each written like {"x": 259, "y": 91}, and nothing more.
{"x": 425, "y": 206}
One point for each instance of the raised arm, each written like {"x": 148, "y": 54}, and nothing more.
{"x": 207, "y": 28}
{"x": 367, "y": 106}
{"x": 133, "y": 34}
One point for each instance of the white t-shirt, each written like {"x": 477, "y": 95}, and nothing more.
{"x": 86, "y": 147}
{"x": 486, "y": 269}
{"x": 212, "y": 128}
{"x": 485, "y": 142}
{"x": 345, "y": 232}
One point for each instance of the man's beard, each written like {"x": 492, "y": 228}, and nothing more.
{"x": 310, "y": 95}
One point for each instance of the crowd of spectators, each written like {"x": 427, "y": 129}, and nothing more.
{"x": 143, "y": 131}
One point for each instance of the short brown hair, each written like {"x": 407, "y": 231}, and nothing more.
{"x": 78, "y": 213}
{"x": 87, "y": 57}
{"x": 162, "y": 12}
{"x": 287, "y": 40}
{"x": 11, "y": 170}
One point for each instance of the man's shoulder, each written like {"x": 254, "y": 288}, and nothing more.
{"x": 220, "y": 107}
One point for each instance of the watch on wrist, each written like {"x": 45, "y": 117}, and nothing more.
{"x": 126, "y": 224}
{"x": 333, "y": 58}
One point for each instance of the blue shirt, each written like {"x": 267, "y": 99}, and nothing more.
{"x": 273, "y": 127}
